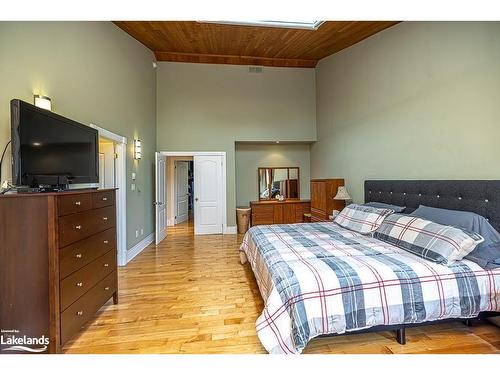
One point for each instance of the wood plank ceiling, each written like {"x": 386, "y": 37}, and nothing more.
{"x": 199, "y": 42}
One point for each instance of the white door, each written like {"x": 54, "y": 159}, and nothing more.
{"x": 208, "y": 194}
{"x": 181, "y": 191}
{"x": 160, "y": 204}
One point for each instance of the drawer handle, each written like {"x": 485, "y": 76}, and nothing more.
{"x": 78, "y": 203}
{"x": 79, "y": 313}
{"x": 104, "y": 199}
{"x": 105, "y": 241}
{"x": 106, "y": 288}
{"x": 106, "y": 265}
{"x": 78, "y": 256}
{"x": 79, "y": 284}
{"x": 78, "y": 227}
{"x": 105, "y": 218}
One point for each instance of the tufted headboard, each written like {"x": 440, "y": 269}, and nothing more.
{"x": 479, "y": 196}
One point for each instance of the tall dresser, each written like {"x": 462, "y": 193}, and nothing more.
{"x": 57, "y": 262}
{"x": 322, "y": 202}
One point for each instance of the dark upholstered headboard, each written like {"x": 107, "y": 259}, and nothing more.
{"x": 479, "y": 196}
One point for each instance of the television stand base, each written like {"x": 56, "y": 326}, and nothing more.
{"x": 40, "y": 189}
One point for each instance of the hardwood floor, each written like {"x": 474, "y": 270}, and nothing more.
{"x": 191, "y": 295}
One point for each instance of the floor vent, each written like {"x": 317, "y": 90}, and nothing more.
{"x": 255, "y": 69}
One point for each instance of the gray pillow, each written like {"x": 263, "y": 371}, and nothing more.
{"x": 487, "y": 253}
{"x": 396, "y": 209}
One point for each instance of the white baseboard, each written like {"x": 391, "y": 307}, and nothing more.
{"x": 137, "y": 249}
{"x": 230, "y": 230}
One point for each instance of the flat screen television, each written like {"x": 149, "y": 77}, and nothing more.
{"x": 51, "y": 150}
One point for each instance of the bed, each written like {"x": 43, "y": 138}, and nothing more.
{"x": 320, "y": 279}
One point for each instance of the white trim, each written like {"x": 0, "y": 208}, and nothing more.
{"x": 305, "y": 25}
{"x": 192, "y": 153}
{"x": 109, "y": 135}
{"x": 208, "y": 153}
{"x": 121, "y": 184}
{"x": 230, "y": 230}
{"x": 139, "y": 247}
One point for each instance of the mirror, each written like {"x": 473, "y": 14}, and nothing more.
{"x": 278, "y": 181}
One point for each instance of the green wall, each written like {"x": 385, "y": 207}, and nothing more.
{"x": 202, "y": 107}
{"x": 94, "y": 73}
{"x": 419, "y": 100}
{"x": 251, "y": 156}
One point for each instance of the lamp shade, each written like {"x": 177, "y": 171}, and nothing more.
{"x": 342, "y": 194}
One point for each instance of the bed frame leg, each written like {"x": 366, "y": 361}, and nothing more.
{"x": 468, "y": 322}
{"x": 401, "y": 336}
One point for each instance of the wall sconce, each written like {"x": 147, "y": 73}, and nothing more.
{"x": 43, "y": 102}
{"x": 137, "y": 149}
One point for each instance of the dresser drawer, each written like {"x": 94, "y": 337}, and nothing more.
{"x": 73, "y": 203}
{"x": 80, "y": 312}
{"x": 318, "y": 215}
{"x": 300, "y": 210}
{"x": 262, "y": 214}
{"x": 81, "y": 253}
{"x": 78, "y": 283}
{"x": 78, "y": 226}
{"x": 103, "y": 199}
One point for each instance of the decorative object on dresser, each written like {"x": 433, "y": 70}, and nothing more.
{"x": 57, "y": 262}
{"x": 323, "y": 192}
{"x": 279, "y": 212}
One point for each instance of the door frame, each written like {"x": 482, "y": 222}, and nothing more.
{"x": 176, "y": 202}
{"x": 225, "y": 229}
{"x": 160, "y": 201}
{"x": 121, "y": 184}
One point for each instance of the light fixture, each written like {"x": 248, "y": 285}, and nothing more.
{"x": 137, "y": 149}
{"x": 308, "y": 25}
{"x": 41, "y": 101}
{"x": 342, "y": 194}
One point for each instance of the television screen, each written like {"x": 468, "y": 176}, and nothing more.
{"x": 49, "y": 149}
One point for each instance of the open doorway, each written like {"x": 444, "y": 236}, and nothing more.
{"x": 112, "y": 174}
{"x": 107, "y": 165}
{"x": 191, "y": 190}
{"x": 180, "y": 189}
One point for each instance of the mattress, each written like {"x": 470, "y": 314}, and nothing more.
{"x": 319, "y": 279}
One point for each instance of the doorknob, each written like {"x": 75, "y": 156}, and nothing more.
{"x": 196, "y": 199}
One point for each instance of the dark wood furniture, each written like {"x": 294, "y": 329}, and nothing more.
{"x": 322, "y": 202}
{"x": 279, "y": 212}
{"x": 57, "y": 261}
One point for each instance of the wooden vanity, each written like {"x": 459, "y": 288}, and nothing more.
{"x": 289, "y": 211}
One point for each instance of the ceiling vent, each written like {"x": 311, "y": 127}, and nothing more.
{"x": 255, "y": 69}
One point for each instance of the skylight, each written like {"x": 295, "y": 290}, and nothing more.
{"x": 309, "y": 25}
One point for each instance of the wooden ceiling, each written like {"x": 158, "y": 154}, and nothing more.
{"x": 198, "y": 42}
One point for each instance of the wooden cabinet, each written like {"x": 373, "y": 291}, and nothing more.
{"x": 322, "y": 202}
{"x": 57, "y": 261}
{"x": 276, "y": 212}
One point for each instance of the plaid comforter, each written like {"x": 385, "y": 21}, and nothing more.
{"x": 319, "y": 279}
